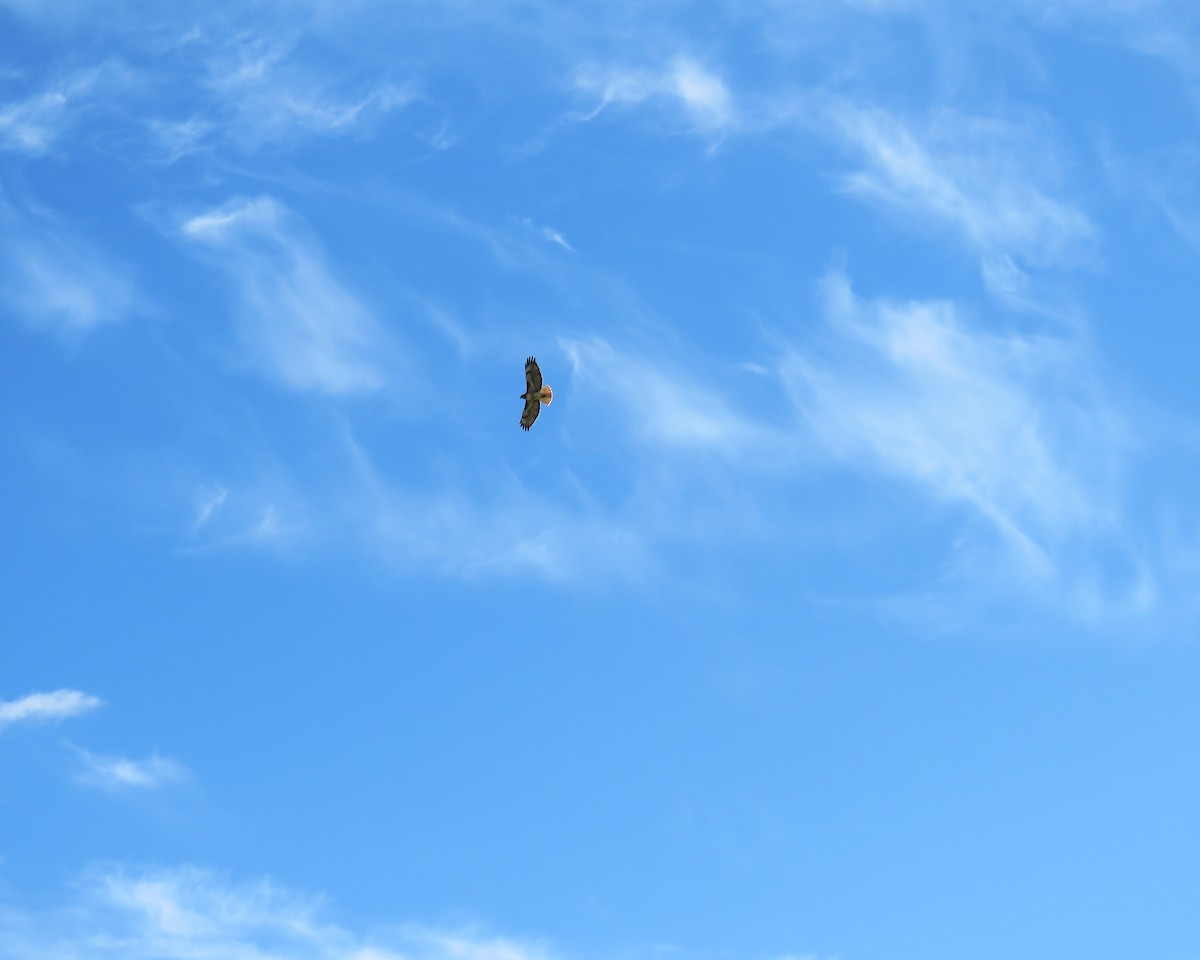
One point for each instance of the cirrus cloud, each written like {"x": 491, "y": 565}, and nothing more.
{"x": 47, "y": 707}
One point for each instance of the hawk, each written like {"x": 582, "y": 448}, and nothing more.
{"x": 535, "y": 394}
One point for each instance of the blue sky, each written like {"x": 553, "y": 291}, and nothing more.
{"x": 842, "y": 605}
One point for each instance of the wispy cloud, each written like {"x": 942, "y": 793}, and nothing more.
{"x": 997, "y": 181}
{"x": 178, "y": 138}
{"x": 502, "y": 529}
{"x": 263, "y": 509}
{"x": 32, "y": 124}
{"x": 65, "y": 283}
{"x": 247, "y": 92}
{"x": 60, "y": 13}
{"x": 992, "y": 180}
{"x": 439, "y": 137}
{"x": 265, "y": 95}
{"x": 1166, "y": 31}
{"x": 122, "y": 773}
{"x": 193, "y": 914}
{"x": 209, "y": 501}
{"x": 54, "y": 279}
{"x": 517, "y": 534}
{"x": 47, "y": 707}
{"x": 549, "y": 234}
{"x": 493, "y": 523}
{"x": 1012, "y": 426}
{"x": 684, "y": 83}
{"x": 297, "y": 322}
{"x": 1162, "y": 181}
{"x": 662, "y": 404}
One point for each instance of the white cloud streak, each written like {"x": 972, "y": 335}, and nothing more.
{"x": 193, "y": 914}
{"x": 549, "y": 234}
{"x": 47, "y": 707}
{"x": 917, "y": 391}
{"x": 265, "y": 509}
{"x": 1012, "y": 426}
{"x": 244, "y": 91}
{"x": 996, "y": 181}
{"x": 664, "y": 406}
{"x": 506, "y": 530}
{"x": 1163, "y": 29}
{"x": 65, "y": 283}
{"x": 30, "y": 125}
{"x": 177, "y": 139}
{"x": 270, "y": 98}
{"x": 122, "y": 773}
{"x": 511, "y": 537}
{"x": 53, "y": 279}
{"x": 992, "y": 180}
{"x": 33, "y": 124}
{"x": 684, "y": 83}
{"x": 298, "y": 323}
{"x": 492, "y": 524}
{"x": 209, "y": 502}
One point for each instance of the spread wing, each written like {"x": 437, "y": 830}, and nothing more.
{"x": 533, "y": 380}
{"x": 530, "y": 413}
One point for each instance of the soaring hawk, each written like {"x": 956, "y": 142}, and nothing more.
{"x": 535, "y": 394}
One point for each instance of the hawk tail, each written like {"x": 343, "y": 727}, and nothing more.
{"x": 546, "y": 395}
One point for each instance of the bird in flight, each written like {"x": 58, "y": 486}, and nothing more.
{"x": 535, "y": 394}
